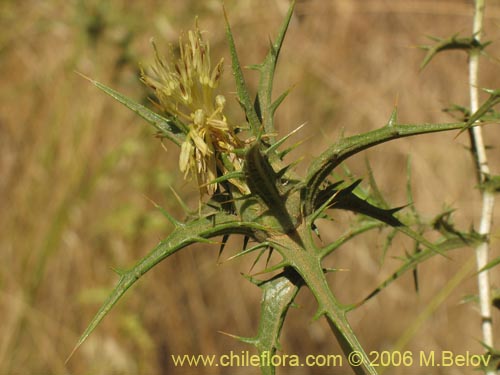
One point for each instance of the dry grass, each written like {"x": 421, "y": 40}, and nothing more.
{"x": 77, "y": 168}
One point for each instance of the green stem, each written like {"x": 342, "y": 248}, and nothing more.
{"x": 335, "y": 314}
{"x": 308, "y": 264}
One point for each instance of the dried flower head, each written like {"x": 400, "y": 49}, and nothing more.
{"x": 186, "y": 90}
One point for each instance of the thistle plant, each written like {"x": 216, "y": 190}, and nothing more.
{"x": 247, "y": 189}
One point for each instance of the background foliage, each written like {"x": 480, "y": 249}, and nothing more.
{"x": 77, "y": 169}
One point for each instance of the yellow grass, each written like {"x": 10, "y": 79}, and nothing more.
{"x": 77, "y": 170}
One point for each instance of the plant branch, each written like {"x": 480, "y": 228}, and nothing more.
{"x": 481, "y": 162}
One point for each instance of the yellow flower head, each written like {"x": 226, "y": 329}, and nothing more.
{"x": 186, "y": 90}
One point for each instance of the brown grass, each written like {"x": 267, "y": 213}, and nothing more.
{"x": 77, "y": 167}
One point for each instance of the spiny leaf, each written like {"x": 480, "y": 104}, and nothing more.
{"x": 180, "y": 237}
{"x": 168, "y": 128}
{"x": 345, "y": 199}
{"x": 267, "y": 70}
{"x": 453, "y": 43}
{"x": 241, "y": 86}
{"x": 334, "y": 190}
{"x": 417, "y": 258}
{"x": 322, "y": 166}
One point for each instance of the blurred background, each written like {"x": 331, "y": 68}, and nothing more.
{"x": 78, "y": 171}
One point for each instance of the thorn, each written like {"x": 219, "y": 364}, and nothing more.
{"x": 247, "y": 251}
{"x": 272, "y": 47}
{"x": 256, "y": 260}
{"x": 223, "y": 244}
{"x": 269, "y": 255}
{"x": 393, "y": 120}
{"x": 328, "y": 270}
{"x": 118, "y": 271}
{"x": 247, "y": 340}
{"x": 286, "y": 168}
{"x": 415, "y": 279}
{"x": 282, "y": 154}
{"x": 253, "y": 280}
{"x": 169, "y": 217}
{"x": 319, "y": 313}
{"x": 319, "y": 211}
{"x": 284, "y": 138}
{"x": 273, "y": 268}
{"x": 280, "y": 99}
{"x": 72, "y": 352}
{"x": 205, "y": 240}
{"x": 85, "y": 77}
{"x": 181, "y": 202}
{"x": 225, "y": 177}
{"x": 315, "y": 229}
{"x": 245, "y": 242}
